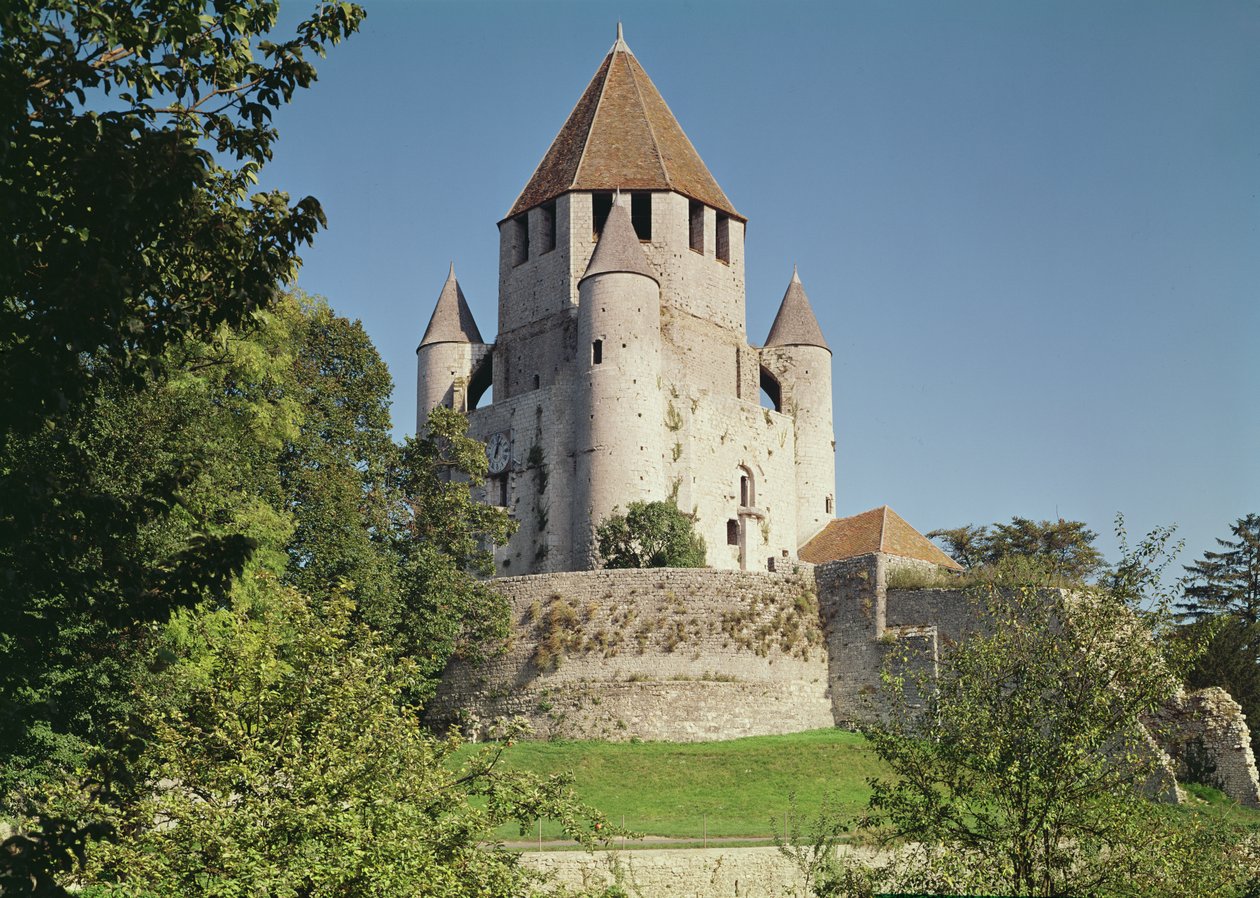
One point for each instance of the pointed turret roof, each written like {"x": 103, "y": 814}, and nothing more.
{"x": 795, "y": 325}
{"x": 452, "y": 320}
{"x": 621, "y": 134}
{"x": 618, "y": 248}
{"x": 878, "y": 530}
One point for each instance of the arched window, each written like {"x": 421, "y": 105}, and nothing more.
{"x": 481, "y": 381}
{"x": 771, "y": 392}
{"x": 747, "y": 489}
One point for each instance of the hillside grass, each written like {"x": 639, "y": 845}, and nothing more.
{"x": 739, "y": 789}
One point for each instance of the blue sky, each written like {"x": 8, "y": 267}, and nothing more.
{"x": 1030, "y": 231}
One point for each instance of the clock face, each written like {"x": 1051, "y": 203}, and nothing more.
{"x": 498, "y": 452}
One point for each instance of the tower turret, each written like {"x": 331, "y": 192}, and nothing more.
{"x": 450, "y": 353}
{"x": 796, "y": 373}
{"x": 619, "y": 426}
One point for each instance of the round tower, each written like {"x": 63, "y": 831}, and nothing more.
{"x": 448, "y": 355}
{"x": 620, "y": 425}
{"x": 798, "y": 362}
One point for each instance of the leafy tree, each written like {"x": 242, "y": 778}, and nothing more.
{"x": 281, "y": 758}
{"x": 968, "y": 544}
{"x": 1058, "y": 549}
{"x": 650, "y": 534}
{"x": 131, "y": 137}
{"x": 335, "y": 470}
{"x": 441, "y": 535}
{"x": 1018, "y": 767}
{"x": 1228, "y": 582}
{"x": 208, "y": 438}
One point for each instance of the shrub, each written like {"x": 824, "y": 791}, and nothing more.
{"x": 650, "y": 534}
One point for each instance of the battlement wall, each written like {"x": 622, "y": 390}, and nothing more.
{"x": 670, "y": 654}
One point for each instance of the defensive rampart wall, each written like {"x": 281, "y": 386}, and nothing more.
{"x": 670, "y": 654}
{"x": 690, "y": 655}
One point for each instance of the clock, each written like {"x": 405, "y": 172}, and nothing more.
{"x": 499, "y": 452}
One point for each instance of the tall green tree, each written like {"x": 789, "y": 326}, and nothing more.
{"x": 1057, "y": 549}
{"x": 281, "y": 758}
{"x": 441, "y": 535}
{"x": 1227, "y": 582}
{"x": 1221, "y": 599}
{"x": 1019, "y": 764}
{"x": 130, "y": 137}
{"x": 336, "y": 469}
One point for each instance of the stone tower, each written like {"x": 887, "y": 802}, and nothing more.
{"x": 796, "y": 374}
{"x": 622, "y": 369}
{"x": 449, "y": 353}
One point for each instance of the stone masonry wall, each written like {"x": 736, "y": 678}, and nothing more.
{"x": 852, "y": 599}
{"x": 1206, "y": 734}
{"x": 672, "y": 654}
{"x": 677, "y": 873}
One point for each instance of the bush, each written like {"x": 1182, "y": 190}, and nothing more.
{"x": 650, "y": 534}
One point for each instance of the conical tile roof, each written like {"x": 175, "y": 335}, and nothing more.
{"x": 618, "y": 248}
{"x": 878, "y": 530}
{"x": 621, "y": 134}
{"x": 452, "y": 320}
{"x": 795, "y": 325}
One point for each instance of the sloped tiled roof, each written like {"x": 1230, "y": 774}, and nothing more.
{"x": 621, "y": 134}
{"x": 795, "y": 325}
{"x": 618, "y": 248}
{"x": 878, "y": 530}
{"x": 452, "y": 320}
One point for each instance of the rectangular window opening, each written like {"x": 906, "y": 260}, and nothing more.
{"x": 723, "y": 238}
{"x": 695, "y": 211}
{"x": 641, "y": 214}
{"x": 597, "y": 352}
{"x": 732, "y": 532}
{"x": 548, "y": 212}
{"x": 601, "y": 205}
{"x": 520, "y": 242}
{"x": 831, "y": 504}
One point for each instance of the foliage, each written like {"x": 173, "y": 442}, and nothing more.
{"x": 1231, "y": 660}
{"x": 87, "y": 576}
{"x": 650, "y": 534}
{"x": 1023, "y": 759}
{"x": 1228, "y": 582}
{"x": 281, "y": 758}
{"x": 1056, "y": 549}
{"x": 128, "y": 233}
{"x": 249, "y": 417}
{"x": 1221, "y": 600}
{"x": 132, "y": 251}
{"x": 441, "y": 535}
{"x": 334, "y": 469}
{"x": 812, "y": 845}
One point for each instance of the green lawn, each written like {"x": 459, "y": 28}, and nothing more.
{"x": 671, "y": 789}
{"x": 738, "y": 788}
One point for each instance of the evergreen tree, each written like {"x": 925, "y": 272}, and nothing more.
{"x": 1228, "y": 582}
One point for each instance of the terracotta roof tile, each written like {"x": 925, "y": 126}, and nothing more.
{"x": 621, "y": 134}
{"x": 878, "y": 530}
{"x": 452, "y": 320}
